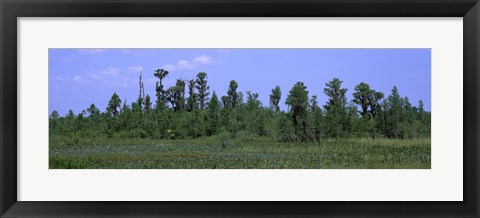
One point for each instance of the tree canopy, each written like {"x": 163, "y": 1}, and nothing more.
{"x": 187, "y": 110}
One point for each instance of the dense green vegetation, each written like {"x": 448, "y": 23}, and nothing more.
{"x": 243, "y": 152}
{"x": 203, "y": 130}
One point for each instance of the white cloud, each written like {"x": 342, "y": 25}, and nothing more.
{"x": 92, "y": 51}
{"x": 169, "y": 67}
{"x": 135, "y": 69}
{"x": 59, "y": 78}
{"x": 95, "y": 76}
{"x": 184, "y": 65}
{"x": 203, "y": 59}
{"x": 187, "y": 65}
{"x": 103, "y": 74}
{"x": 111, "y": 77}
{"x": 111, "y": 71}
{"x": 77, "y": 79}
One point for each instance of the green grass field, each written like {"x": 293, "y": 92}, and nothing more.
{"x": 207, "y": 153}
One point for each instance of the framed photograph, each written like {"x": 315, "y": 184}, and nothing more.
{"x": 225, "y": 108}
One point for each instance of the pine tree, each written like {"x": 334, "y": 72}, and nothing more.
{"x": 213, "y": 114}
{"x": 232, "y": 94}
{"x": 202, "y": 89}
{"x": 336, "y": 118}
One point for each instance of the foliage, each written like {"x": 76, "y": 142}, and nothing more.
{"x": 297, "y": 100}
{"x": 202, "y": 89}
{"x": 232, "y": 95}
{"x": 336, "y": 116}
{"x": 192, "y": 100}
{"x": 114, "y": 105}
{"x": 161, "y": 98}
{"x": 203, "y": 115}
{"x": 275, "y": 98}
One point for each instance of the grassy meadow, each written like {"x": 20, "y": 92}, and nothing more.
{"x": 259, "y": 153}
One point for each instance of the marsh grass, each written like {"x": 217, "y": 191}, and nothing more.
{"x": 257, "y": 153}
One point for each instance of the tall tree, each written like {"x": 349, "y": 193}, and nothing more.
{"x": 275, "y": 98}
{"x": 161, "y": 98}
{"x": 141, "y": 95}
{"x": 213, "y": 114}
{"x": 202, "y": 89}
{"x": 315, "y": 119}
{"x": 392, "y": 115}
{"x": 367, "y": 98}
{"x": 421, "y": 112}
{"x": 176, "y": 95}
{"x": 361, "y": 95}
{"x": 114, "y": 104}
{"x": 336, "y": 118}
{"x": 192, "y": 96}
{"x": 407, "y": 110}
{"x": 336, "y": 94}
{"x": 180, "y": 95}
{"x": 232, "y": 93}
{"x": 297, "y": 100}
{"x": 255, "y": 116}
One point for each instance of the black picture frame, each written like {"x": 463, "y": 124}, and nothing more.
{"x": 10, "y": 10}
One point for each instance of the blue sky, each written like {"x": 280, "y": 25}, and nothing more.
{"x": 80, "y": 77}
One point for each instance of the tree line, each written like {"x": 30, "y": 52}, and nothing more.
{"x": 176, "y": 115}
